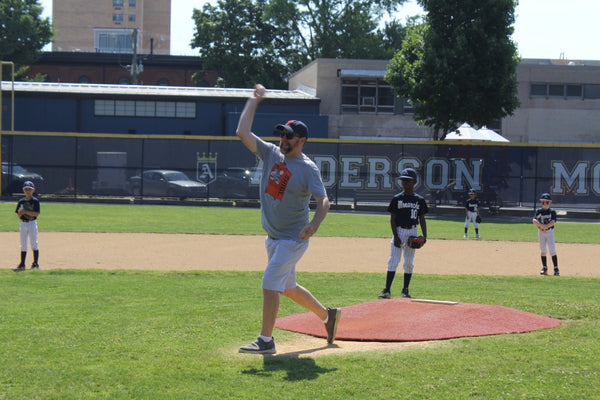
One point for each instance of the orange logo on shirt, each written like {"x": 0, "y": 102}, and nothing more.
{"x": 279, "y": 178}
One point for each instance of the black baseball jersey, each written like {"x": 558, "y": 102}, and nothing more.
{"x": 407, "y": 209}
{"x": 545, "y": 216}
{"x": 472, "y": 205}
{"x": 32, "y": 204}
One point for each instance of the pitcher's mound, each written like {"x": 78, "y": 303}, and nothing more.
{"x": 410, "y": 320}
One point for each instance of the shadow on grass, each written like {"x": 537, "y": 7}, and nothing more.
{"x": 296, "y": 368}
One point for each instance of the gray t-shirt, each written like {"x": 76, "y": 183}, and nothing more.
{"x": 285, "y": 189}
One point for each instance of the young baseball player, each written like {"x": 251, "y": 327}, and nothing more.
{"x": 28, "y": 209}
{"x": 407, "y": 209}
{"x": 545, "y": 219}
{"x": 472, "y": 213}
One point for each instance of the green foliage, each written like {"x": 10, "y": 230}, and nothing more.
{"x": 250, "y": 41}
{"x": 72, "y": 334}
{"x": 235, "y": 40}
{"x": 23, "y": 33}
{"x": 466, "y": 68}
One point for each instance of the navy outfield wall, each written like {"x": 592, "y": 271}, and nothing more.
{"x": 505, "y": 175}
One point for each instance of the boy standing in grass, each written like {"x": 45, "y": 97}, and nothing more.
{"x": 545, "y": 219}
{"x": 472, "y": 213}
{"x": 407, "y": 210}
{"x": 28, "y": 209}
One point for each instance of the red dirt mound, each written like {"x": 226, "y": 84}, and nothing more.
{"x": 406, "y": 320}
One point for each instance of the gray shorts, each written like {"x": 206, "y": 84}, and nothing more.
{"x": 283, "y": 256}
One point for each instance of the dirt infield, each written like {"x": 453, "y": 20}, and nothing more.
{"x": 143, "y": 251}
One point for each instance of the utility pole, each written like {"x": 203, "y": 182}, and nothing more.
{"x": 12, "y": 107}
{"x": 134, "y": 62}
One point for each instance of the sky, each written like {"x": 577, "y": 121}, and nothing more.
{"x": 543, "y": 28}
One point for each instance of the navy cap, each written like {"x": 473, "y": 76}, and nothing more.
{"x": 28, "y": 184}
{"x": 297, "y": 127}
{"x": 408, "y": 173}
{"x": 472, "y": 191}
{"x": 545, "y": 196}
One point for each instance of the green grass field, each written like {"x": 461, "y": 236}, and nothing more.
{"x": 94, "y": 334}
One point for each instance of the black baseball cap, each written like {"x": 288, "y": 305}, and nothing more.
{"x": 297, "y": 127}
{"x": 472, "y": 191}
{"x": 545, "y": 196}
{"x": 28, "y": 184}
{"x": 408, "y": 173}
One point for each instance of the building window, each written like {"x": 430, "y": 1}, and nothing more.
{"x": 131, "y": 3}
{"x": 564, "y": 90}
{"x": 118, "y": 17}
{"x": 367, "y": 95}
{"x": 125, "y": 108}
{"x": 117, "y": 3}
{"x": 537, "y": 89}
{"x": 591, "y": 91}
{"x": 185, "y": 110}
{"x": 574, "y": 91}
{"x": 104, "y": 107}
{"x": 145, "y": 108}
{"x": 165, "y": 109}
{"x": 556, "y": 90}
{"x": 142, "y": 108}
{"x": 116, "y": 40}
{"x": 131, "y": 18}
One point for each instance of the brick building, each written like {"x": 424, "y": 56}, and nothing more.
{"x": 112, "y": 26}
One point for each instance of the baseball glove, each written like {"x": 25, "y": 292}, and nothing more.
{"x": 416, "y": 242}
{"x": 478, "y": 219}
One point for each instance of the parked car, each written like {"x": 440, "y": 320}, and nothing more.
{"x": 166, "y": 183}
{"x": 231, "y": 183}
{"x": 13, "y": 176}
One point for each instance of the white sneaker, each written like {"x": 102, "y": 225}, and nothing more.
{"x": 465, "y": 235}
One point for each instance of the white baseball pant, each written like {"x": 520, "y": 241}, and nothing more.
{"x": 546, "y": 239}
{"x": 405, "y": 250}
{"x": 471, "y": 217}
{"x": 29, "y": 230}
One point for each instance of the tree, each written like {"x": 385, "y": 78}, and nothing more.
{"x": 249, "y": 41}
{"x": 23, "y": 33}
{"x": 234, "y": 40}
{"x": 336, "y": 28}
{"x": 461, "y": 66}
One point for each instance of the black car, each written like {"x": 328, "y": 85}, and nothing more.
{"x": 13, "y": 176}
{"x": 231, "y": 183}
{"x": 166, "y": 183}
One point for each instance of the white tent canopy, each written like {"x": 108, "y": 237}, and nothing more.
{"x": 467, "y": 132}
{"x": 493, "y": 135}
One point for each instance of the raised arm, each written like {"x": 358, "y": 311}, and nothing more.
{"x": 244, "y": 131}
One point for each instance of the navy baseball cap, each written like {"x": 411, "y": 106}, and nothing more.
{"x": 293, "y": 126}
{"x": 408, "y": 173}
{"x": 545, "y": 196}
{"x": 472, "y": 191}
{"x": 28, "y": 184}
